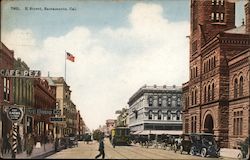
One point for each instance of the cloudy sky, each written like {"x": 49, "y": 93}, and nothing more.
{"x": 119, "y": 46}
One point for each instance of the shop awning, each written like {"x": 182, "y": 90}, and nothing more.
{"x": 160, "y": 132}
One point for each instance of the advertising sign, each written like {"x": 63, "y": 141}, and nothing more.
{"x": 15, "y": 114}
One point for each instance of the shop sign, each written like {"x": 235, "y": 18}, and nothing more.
{"x": 20, "y": 73}
{"x": 15, "y": 114}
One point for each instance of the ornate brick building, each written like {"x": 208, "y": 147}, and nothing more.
{"x": 219, "y": 69}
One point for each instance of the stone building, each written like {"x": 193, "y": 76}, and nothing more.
{"x": 68, "y": 109}
{"x": 216, "y": 47}
{"x": 156, "y": 108}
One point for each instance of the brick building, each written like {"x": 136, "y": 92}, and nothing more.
{"x": 6, "y": 89}
{"x": 219, "y": 56}
{"x": 45, "y": 100}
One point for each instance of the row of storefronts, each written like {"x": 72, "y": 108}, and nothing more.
{"x": 41, "y": 99}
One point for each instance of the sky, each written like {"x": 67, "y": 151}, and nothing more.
{"x": 119, "y": 45}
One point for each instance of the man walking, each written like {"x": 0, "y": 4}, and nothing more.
{"x": 101, "y": 148}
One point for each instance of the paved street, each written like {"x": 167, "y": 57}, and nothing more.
{"x": 89, "y": 151}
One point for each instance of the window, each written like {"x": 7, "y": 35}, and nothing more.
{"x": 222, "y": 2}
{"x": 238, "y": 123}
{"x": 196, "y": 72}
{"x": 136, "y": 114}
{"x": 193, "y": 124}
{"x": 205, "y": 94}
{"x": 159, "y": 115}
{"x": 178, "y": 115}
{"x": 213, "y": 91}
{"x": 212, "y": 16}
{"x": 178, "y": 101}
{"x": 217, "y": 16}
{"x": 235, "y": 88}
{"x": 150, "y": 101}
{"x": 209, "y": 93}
{"x": 169, "y": 101}
{"x": 214, "y": 62}
{"x": 217, "y": 2}
{"x": 168, "y": 115}
{"x": 192, "y": 98}
{"x": 195, "y": 96}
{"x": 6, "y": 89}
{"x": 222, "y": 17}
{"x": 150, "y": 114}
{"x": 159, "y": 101}
{"x": 213, "y": 2}
{"x": 241, "y": 87}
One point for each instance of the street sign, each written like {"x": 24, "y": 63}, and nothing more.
{"x": 15, "y": 114}
{"x": 57, "y": 119}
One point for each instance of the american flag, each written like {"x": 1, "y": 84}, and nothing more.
{"x": 70, "y": 57}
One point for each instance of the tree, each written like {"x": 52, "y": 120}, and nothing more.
{"x": 97, "y": 134}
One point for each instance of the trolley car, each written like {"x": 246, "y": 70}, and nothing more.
{"x": 120, "y": 136}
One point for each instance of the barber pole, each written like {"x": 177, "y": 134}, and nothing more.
{"x": 14, "y": 142}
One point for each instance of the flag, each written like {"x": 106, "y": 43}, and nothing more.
{"x": 70, "y": 57}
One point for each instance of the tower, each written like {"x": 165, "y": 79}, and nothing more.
{"x": 208, "y": 18}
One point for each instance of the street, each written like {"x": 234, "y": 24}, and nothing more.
{"x": 89, "y": 151}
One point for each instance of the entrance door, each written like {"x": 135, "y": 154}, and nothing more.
{"x": 209, "y": 124}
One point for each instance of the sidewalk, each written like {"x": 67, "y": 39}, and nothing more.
{"x": 37, "y": 153}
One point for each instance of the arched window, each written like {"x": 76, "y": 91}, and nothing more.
{"x": 213, "y": 91}
{"x": 196, "y": 72}
{"x": 241, "y": 87}
{"x": 209, "y": 93}
{"x": 214, "y": 62}
{"x": 195, "y": 96}
{"x": 235, "y": 88}
{"x": 205, "y": 94}
{"x": 150, "y": 114}
{"x": 209, "y": 64}
{"x": 159, "y": 115}
{"x": 192, "y": 98}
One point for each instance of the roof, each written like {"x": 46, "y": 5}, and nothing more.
{"x": 154, "y": 88}
{"x": 50, "y": 81}
{"x": 238, "y": 30}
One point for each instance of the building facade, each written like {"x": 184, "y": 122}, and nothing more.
{"x": 23, "y": 94}
{"x": 214, "y": 42}
{"x": 45, "y": 100}
{"x": 67, "y": 107}
{"x": 6, "y": 89}
{"x": 156, "y": 108}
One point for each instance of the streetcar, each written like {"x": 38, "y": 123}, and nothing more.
{"x": 120, "y": 136}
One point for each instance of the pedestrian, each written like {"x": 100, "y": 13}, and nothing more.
{"x": 101, "y": 148}
{"x": 114, "y": 141}
{"x": 30, "y": 143}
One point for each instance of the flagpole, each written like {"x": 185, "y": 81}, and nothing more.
{"x": 65, "y": 66}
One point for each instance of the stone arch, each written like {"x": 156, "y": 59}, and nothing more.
{"x": 208, "y": 122}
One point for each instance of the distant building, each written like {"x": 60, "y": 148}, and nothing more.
{"x": 154, "y": 108}
{"x": 123, "y": 118}
{"x": 110, "y": 123}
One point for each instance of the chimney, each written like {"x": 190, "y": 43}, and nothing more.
{"x": 247, "y": 14}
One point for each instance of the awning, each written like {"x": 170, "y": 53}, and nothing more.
{"x": 160, "y": 132}
{"x": 136, "y": 132}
